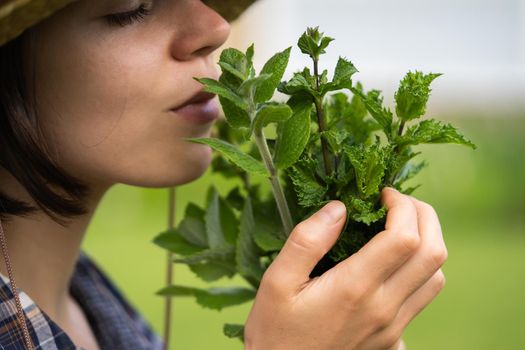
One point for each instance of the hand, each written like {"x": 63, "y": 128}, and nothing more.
{"x": 364, "y": 302}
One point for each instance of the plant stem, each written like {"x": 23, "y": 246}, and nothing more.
{"x": 320, "y": 122}
{"x": 169, "y": 269}
{"x": 316, "y": 72}
{"x": 324, "y": 145}
{"x": 278, "y": 192}
{"x": 401, "y": 127}
{"x": 396, "y": 150}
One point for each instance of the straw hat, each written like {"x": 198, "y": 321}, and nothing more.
{"x": 18, "y": 15}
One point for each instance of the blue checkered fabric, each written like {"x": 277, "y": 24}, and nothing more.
{"x": 115, "y": 322}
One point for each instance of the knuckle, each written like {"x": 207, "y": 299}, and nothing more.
{"x": 300, "y": 229}
{"x": 356, "y": 295}
{"x": 302, "y": 240}
{"x": 408, "y": 242}
{"x": 437, "y": 256}
{"x": 439, "y": 281}
{"x": 381, "y": 317}
{"x": 390, "y": 339}
{"x": 427, "y": 207}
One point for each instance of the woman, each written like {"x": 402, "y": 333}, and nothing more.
{"x": 101, "y": 93}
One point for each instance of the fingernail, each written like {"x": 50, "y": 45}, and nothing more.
{"x": 332, "y": 212}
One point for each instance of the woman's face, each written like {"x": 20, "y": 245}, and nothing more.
{"x": 105, "y": 92}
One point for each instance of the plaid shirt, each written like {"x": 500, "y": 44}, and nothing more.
{"x": 116, "y": 324}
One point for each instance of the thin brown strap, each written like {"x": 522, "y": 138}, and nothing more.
{"x": 19, "y": 312}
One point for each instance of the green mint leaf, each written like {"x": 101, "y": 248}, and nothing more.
{"x": 307, "y": 45}
{"x": 212, "y": 271}
{"x": 412, "y": 95}
{"x": 313, "y": 43}
{"x": 374, "y": 104}
{"x": 433, "y": 131}
{"x": 309, "y": 192}
{"x": 396, "y": 161}
{"x": 275, "y": 66}
{"x": 410, "y": 190}
{"x": 216, "y": 87}
{"x": 293, "y": 135}
{"x": 301, "y": 82}
{"x": 239, "y": 62}
{"x": 247, "y": 253}
{"x": 233, "y": 330}
{"x": 323, "y": 78}
{"x": 363, "y": 211}
{"x": 173, "y": 241}
{"x": 221, "y": 221}
{"x": 249, "y": 86}
{"x": 266, "y": 238}
{"x": 225, "y": 168}
{"x": 235, "y": 199}
{"x": 221, "y": 254}
{"x": 229, "y": 222}
{"x": 175, "y": 290}
{"x": 234, "y": 107}
{"x": 270, "y": 113}
{"x": 268, "y": 233}
{"x": 236, "y": 117}
{"x": 226, "y": 67}
{"x": 344, "y": 70}
{"x": 219, "y": 298}
{"x": 350, "y": 116}
{"x": 230, "y": 152}
{"x": 336, "y": 139}
{"x": 213, "y": 221}
{"x": 342, "y": 77}
{"x": 213, "y": 298}
{"x": 409, "y": 171}
{"x": 369, "y": 164}
{"x": 250, "y": 51}
{"x": 325, "y": 41}
{"x": 192, "y": 227}
{"x": 236, "y": 68}
{"x": 336, "y": 109}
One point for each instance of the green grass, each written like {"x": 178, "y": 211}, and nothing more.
{"x": 479, "y": 196}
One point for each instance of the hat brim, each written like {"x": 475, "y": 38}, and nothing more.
{"x": 18, "y": 15}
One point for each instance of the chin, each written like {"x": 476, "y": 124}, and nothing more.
{"x": 188, "y": 165}
{"x": 194, "y": 168}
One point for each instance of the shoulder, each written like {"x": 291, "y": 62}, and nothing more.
{"x": 43, "y": 331}
{"x": 108, "y": 305}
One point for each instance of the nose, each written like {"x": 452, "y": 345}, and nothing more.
{"x": 202, "y": 31}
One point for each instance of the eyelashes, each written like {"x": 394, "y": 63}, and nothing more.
{"x": 127, "y": 18}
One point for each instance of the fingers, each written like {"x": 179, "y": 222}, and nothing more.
{"x": 389, "y": 249}
{"x": 430, "y": 256}
{"x": 410, "y": 309}
{"x": 420, "y": 299}
{"x": 400, "y": 345}
{"x": 309, "y": 241}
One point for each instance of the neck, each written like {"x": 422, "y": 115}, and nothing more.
{"x": 43, "y": 253}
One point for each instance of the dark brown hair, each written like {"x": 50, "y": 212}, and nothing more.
{"x": 23, "y": 151}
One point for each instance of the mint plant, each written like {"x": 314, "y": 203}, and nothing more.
{"x": 328, "y": 145}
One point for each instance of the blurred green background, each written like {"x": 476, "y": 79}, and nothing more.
{"x": 479, "y": 196}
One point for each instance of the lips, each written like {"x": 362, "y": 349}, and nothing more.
{"x": 201, "y": 108}
{"x": 199, "y": 97}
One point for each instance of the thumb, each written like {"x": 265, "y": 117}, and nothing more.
{"x": 308, "y": 242}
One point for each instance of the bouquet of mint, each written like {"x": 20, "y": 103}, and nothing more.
{"x": 326, "y": 146}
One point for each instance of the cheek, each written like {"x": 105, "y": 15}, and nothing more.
{"x": 105, "y": 118}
